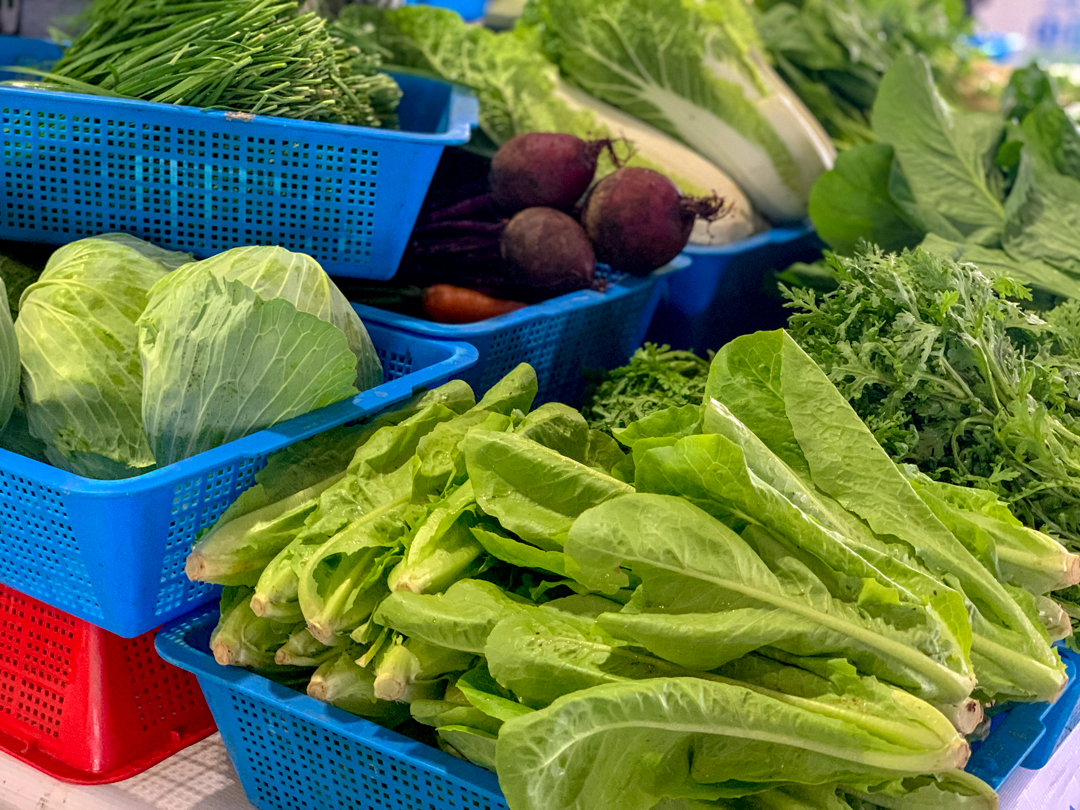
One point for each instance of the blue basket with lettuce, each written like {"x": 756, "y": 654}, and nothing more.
{"x": 773, "y": 611}
{"x": 152, "y": 390}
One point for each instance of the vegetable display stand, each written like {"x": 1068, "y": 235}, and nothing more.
{"x": 204, "y": 181}
{"x": 84, "y": 705}
{"x": 562, "y": 338}
{"x": 723, "y": 293}
{"x": 113, "y": 552}
{"x": 1028, "y": 734}
{"x": 292, "y": 752}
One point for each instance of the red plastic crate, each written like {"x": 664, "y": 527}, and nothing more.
{"x": 84, "y": 705}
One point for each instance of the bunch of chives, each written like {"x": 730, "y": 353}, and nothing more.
{"x": 254, "y": 56}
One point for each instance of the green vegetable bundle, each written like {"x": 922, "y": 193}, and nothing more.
{"x": 732, "y": 606}
{"x": 954, "y": 377}
{"x": 997, "y": 189}
{"x": 135, "y": 357}
{"x": 250, "y": 56}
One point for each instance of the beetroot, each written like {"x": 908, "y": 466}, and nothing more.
{"x": 544, "y": 169}
{"x": 638, "y": 220}
{"x": 549, "y": 251}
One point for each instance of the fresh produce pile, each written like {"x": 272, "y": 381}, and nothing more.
{"x": 250, "y": 56}
{"x": 954, "y": 377}
{"x": 532, "y": 225}
{"x": 685, "y": 83}
{"x": 735, "y": 583}
{"x": 133, "y": 357}
{"x": 997, "y": 189}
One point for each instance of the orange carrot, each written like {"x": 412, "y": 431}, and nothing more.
{"x": 445, "y": 303}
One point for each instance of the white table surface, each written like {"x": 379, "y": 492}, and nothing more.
{"x": 201, "y": 778}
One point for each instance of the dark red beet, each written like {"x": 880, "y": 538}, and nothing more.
{"x": 638, "y": 220}
{"x": 543, "y": 169}
{"x": 550, "y": 251}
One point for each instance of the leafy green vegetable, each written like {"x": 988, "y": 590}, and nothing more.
{"x": 82, "y": 376}
{"x": 276, "y": 273}
{"x": 341, "y": 682}
{"x": 655, "y": 378}
{"x": 834, "y": 54}
{"x": 766, "y": 378}
{"x": 460, "y": 619}
{"x": 943, "y": 368}
{"x": 671, "y": 736}
{"x": 10, "y": 369}
{"x": 708, "y": 598}
{"x": 533, "y": 491}
{"x": 253, "y": 56}
{"x": 678, "y": 67}
{"x": 243, "y": 639}
{"x": 199, "y": 343}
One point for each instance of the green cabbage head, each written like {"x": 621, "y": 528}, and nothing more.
{"x": 78, "y": 341}
{"x": 244, "y": 340}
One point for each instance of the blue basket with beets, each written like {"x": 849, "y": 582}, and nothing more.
{"x": 204, "y": 181}
{"x": 564, "y": 338}
{"x": 113, "y": 552}
{"x": 293, "y": 752}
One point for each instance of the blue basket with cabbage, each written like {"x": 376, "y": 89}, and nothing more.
{"x": 152, "y": 390}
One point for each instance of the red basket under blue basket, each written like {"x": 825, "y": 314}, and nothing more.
{"x": 563, "y": 338}
{"x": 113, "y": 552}
{"x": 294, "y": 753}
{"x": 204, "y": 181}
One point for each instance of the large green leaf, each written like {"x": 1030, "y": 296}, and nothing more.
{"x": 944, "y": 153}
{"x": 10, "y": 369}
{"x": 628, "y": 745}
{"x": 692, "y": 568}
{"x": 533, "y": 491}
{"x": 82, "y": 375}
{"x": 851, "y": 203}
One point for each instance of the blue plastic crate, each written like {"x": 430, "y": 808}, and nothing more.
{"x": 1028, "y": 734}
{"x": 721, "y": 295}
{"x": 205, "y": 181}
{"x": 294, "y": 753}
{"x": 468, "y": 9}
{"x": 561, "y": 338}
{"x": 113, "y": 552}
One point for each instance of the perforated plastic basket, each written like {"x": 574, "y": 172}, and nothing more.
{"x": 113, "y": 552}
{"x": 561, "y": 338}
{"x": 292, "y": 752}
{"x": 84, "y": 705}
{"x": 723, "y": 293}
{"x": 205, "y": 181}
{"x": 469, "y": 9}
{"x": 1028, "y": 734}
